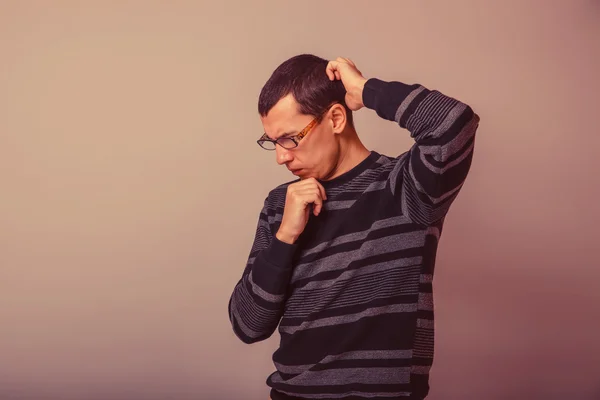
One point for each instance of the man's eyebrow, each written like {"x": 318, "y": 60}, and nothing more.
{"x": 286, "y": 134}
{"x": 283, "y": 135}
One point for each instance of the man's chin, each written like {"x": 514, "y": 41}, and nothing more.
{"x": 300, "y": 173}
{"x": 304, "y": 176}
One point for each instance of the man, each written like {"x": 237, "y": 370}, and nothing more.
{"x": 343, "y": 257}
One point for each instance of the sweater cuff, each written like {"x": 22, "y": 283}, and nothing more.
{"x": 280, "y": 253}
{"x": 371, "y": 91}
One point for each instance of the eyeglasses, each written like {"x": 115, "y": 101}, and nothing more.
{"x": 291, "y": 141}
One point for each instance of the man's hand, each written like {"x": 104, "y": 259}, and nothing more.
{"x": 297, "y": 208}
{"x": 345, "y": 70}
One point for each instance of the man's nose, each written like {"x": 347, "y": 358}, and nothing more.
{"x": 283, "y": 155}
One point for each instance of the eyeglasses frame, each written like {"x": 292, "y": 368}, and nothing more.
{"x": 296, "y": 138}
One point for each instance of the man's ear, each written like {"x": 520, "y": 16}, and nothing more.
{"x": 338, "y": 118}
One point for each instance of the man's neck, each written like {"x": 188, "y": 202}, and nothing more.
{"x": 353, "y": 153}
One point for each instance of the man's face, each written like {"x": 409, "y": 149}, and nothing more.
{"x": 316, "y": 154}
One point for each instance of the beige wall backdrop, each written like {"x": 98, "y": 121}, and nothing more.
{"x": 131, "y": 185}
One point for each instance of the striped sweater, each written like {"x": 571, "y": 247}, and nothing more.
{"x": 353, "y": 296}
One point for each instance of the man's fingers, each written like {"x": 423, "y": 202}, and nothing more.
{"x": 317, "y": 209}
{"x": 329, "y": 74}
{"x": 313, "y": 182}
{"x": 318, "y": 205}
{"x": 345, "y": 60}
{"x": 310, "y": 195}
{"x": 322, "y": 190}
{"x": 309, "y": 192}
{"x": 331, "y": 68}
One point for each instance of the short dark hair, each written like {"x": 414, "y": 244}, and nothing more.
{"x": 305, "y": 78}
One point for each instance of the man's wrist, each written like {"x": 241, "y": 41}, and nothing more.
{"x": 361, "y": 88}
{"x": 284, "y": 237}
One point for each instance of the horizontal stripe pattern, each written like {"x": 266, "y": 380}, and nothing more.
{"x": 350, "y": 355}
{"x": 373, "y": 376}
{"x": 353, "y": 298}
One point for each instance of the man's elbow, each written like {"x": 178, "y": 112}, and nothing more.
{"x": 250, "y": 339}
{"x": 249, "y": 336}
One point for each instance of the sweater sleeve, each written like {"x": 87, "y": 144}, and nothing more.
{"x": 428, "y": 177}
{"x": 257, "y": 302}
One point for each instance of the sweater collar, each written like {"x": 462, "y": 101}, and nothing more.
{"x": 352, "y": 173}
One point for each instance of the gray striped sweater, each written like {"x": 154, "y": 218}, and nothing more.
{"x": 353, "y": 297}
